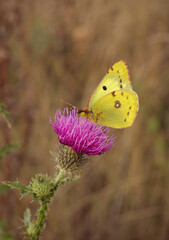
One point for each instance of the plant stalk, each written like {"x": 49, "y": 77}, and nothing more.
{"x": 39, "y": 225}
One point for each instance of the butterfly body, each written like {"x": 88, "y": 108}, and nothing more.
{"x": 113, "y": 103}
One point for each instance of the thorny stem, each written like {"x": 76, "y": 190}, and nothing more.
{"x": 59, "y": 176}
{"x": 39, "y": 225}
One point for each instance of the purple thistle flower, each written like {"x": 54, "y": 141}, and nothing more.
{"x": 79, "y": 133}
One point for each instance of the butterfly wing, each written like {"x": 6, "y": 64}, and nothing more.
{"x": 117, "y": 78}
{"x": 117, "y": 109}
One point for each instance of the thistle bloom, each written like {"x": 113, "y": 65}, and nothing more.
{"x": 79, "y": 133}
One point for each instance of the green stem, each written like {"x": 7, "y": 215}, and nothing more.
{"x": 59, "y": 176}
{"x": 39, "y": 225}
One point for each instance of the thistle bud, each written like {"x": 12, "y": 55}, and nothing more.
{"x": 42, "y": 186}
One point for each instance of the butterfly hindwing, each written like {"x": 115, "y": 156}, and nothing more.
{"x": 117, "y": 78}
{"x": 117, "y": 109}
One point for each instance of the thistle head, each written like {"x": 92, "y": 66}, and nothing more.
{"x": 79, "y": 137}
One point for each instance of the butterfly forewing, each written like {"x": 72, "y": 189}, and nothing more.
{"x": 117, "y": 78}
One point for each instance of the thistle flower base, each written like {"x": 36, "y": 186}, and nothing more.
{"x": 68, "y": 160}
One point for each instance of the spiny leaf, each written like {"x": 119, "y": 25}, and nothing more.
{"x": 24, "y": 189}
{"x": 69, "y": 179}
{"x": 4, "y": 114}
{"x": 27, "y": 217}
{"x": 8, "y": 148}
{"x": 30, "y": 226}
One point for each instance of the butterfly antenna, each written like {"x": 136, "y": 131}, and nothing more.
{"x": 68, "y": 103}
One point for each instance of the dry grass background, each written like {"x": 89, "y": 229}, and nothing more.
{"x": 61, "y": 49}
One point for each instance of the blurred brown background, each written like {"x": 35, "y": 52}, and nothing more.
{"x": 52, "y": 50}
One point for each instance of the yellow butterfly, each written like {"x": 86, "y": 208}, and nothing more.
{"x": 113, "y": 103}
